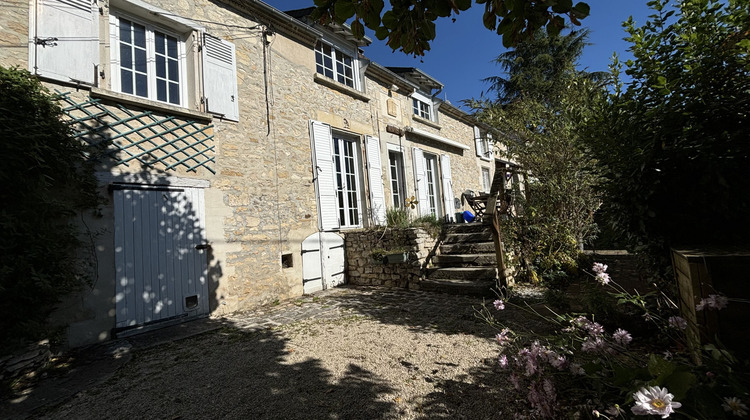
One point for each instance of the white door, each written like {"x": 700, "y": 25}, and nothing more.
{"x": 322, "y": 261}
{"x": 160, "y": 254}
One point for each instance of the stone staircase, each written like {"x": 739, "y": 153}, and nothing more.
{"x": 465, "y": 263}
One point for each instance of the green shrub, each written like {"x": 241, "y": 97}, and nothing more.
{"x": 397, "y": 218}
{"x": 430, "y": 223}
{"x": 47, "y": 180}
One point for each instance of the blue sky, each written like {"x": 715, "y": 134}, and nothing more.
{"x": 462, "y": 53}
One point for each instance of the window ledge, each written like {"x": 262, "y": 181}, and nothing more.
{"x": 426, "y": 122}
{"x": 146, "y": 103}
{"x": 341, "y": 87}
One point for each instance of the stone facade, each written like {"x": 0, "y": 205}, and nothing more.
{"x": 364, "y": 269}
{"x": 258, "y": 183}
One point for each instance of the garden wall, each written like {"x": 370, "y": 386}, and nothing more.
{"x": 363, "y": 269}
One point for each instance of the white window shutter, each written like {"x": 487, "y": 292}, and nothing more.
{"x": 324, "y": 175}
{"x": 490, "y": 147}
{"x": 220, "y": 77}
{"x": 478, "y": 142}
{"x": 420, "y": 180}
{"x": 375, "y": 176}
{"x": 447, "y": 181}
{"x": 66, "y": 44}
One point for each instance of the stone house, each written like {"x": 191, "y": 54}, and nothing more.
{"x": 242, "y": 142}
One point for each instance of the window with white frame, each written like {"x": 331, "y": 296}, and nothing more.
{"x": 484, "y": 144}
{"x": 334, "y": 64}
{"x": 486, "y": 179}
{"x": 149, "y": 61}
{"x": 422, "y": 106}
{"x": 346, "y": 163}
{"x": 396, "y": 167}
{"x": 433, "y": 186}
{"x": 147, "y": 53}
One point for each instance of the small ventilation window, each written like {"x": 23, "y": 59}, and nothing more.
{"x": 287, "y": 261}
{"x": 191, "y": 302}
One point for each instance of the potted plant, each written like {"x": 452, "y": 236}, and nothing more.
{"x": 391, "y": 255}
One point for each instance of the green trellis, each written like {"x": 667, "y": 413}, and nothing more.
{"x": 141, "y": 136}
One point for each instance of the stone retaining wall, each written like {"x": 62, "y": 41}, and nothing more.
{"x": 363, "y": 269}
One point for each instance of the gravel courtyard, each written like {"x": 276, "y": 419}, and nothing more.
{"x": 349, "y": 353}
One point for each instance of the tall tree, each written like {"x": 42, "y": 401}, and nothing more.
{"x": 537, "y": 65}
{"x": 409, "y": 25}
{"x": 541, "y": 108}
{"x": 676, "y": 142}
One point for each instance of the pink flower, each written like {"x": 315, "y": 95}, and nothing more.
{"x": 677, "y": 322}
{"x": 503, "y": 338}
{"x": 594, "y": 328}
{"x": 595, "y": 345}
{"x": 715, "y": 302}
{"x": 499, "y": 304}
{"x": 503, "y": 361}
{"x": 603, "y": 278}
{"x": 622, "y": 337}
{"x": 599, "y": 268}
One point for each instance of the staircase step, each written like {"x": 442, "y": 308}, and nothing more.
{"x": 462, "y": 273}
{"x": 459, "y": 287}
{"x": 466, "y": 227}
{"x": 468, "y": 248}
{"x": 448, "y": 260}
{"x": 483, "y": 236}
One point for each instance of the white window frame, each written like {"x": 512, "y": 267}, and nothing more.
{"x": 396, "y": 177}
{"x": 151, "y": 28}
{"x": 486, "y": 179}
{"x": 348, "y": 191}
{"x": 337, "y": 57}
{"x": 432, "y": 183}
{"x": 422, "y": 106}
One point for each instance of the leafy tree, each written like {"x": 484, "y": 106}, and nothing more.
{"x": 676, "y": 142}
{"x": 410, "y": 25}
{"x": 47, "y": 178}
{"x": 542, "y": 106}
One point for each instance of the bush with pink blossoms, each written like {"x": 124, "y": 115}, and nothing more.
{"x": 588, "y": 369}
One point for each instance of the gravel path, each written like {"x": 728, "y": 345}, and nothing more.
{"x": 351, "y": 353}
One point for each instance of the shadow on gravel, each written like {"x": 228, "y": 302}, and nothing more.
{"x": 419, "y": 311}
{"x": 228, "y": 374}
{"x": 435, "y": 312}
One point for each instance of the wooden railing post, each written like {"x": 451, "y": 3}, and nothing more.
{"x": 497, "y": 192}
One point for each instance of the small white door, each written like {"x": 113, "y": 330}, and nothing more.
{"x": 160, "y": 254}
{"x": 322, "y": 261}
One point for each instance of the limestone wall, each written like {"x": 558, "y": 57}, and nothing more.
{"x": 363, "y": 269}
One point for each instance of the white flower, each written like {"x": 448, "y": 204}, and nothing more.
{"x": 499, "y": 305}
{"x": 654, "y": 400}
{"x": 735, "y": 406}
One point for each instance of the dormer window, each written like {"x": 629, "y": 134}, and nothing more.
{"x": 422, "y": 106}
{"x": 334, "y": 64}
